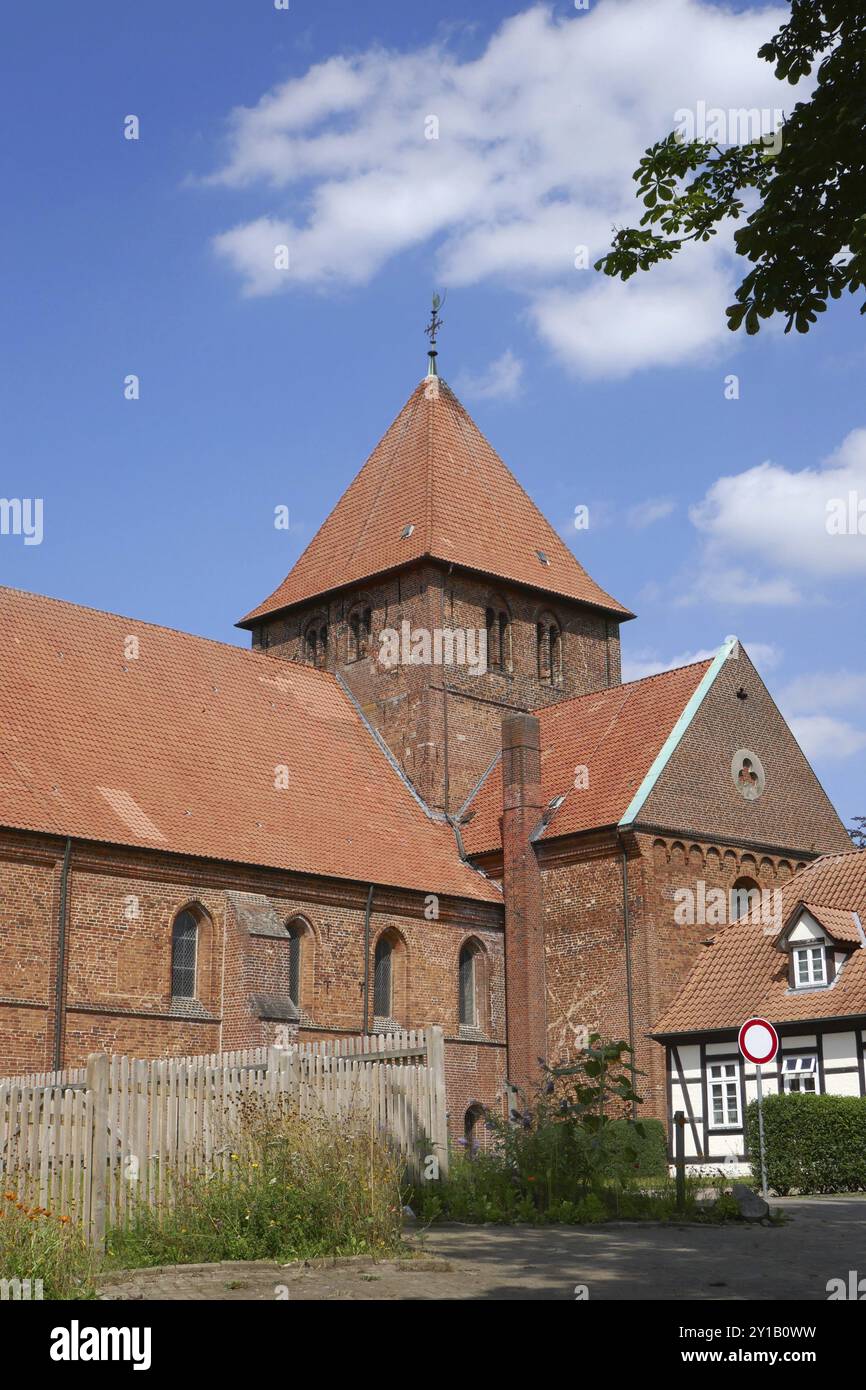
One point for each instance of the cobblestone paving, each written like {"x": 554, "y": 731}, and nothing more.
{"x": 822, "y": 1239}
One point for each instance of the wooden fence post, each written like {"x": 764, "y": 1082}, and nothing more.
{"x": 438, "y": 1107}
{"x": 97, "y": 1085}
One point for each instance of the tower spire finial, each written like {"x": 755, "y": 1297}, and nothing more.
{"x": 432, "y": 331}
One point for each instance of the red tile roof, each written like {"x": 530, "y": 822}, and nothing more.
{"x": 434, "y": 470}
{"x": 615, "y": 734}
{"x": 744, "y": 974}
{"x": 180, "y": 749}
{"x": 838, "y": 922}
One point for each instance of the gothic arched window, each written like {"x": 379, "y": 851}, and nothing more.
{"x": 382, "y": 978}
{"x": 184, "y": 944}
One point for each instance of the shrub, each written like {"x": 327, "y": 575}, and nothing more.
{"x": 641, "y": 1146}
{"x": 296, "y": 1188}
{"x": 37, "y": 1244}
{"x": 812, "y": 1143}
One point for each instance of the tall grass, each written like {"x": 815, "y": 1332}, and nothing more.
{"x": 294, "y": 1189}
{"x": 37, "y": 1244}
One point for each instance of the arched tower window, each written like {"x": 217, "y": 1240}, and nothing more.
{"x": 497, "y": 620}
{"x": 316, "y": 643}
{"x": 358, "y": 635}
{"x": 549, "y": 649}
{"x": 184, "y": 951}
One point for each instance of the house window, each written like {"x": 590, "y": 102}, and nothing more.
{"x": 725, "y": 1095}
{"x": 468, "y": 1015}
{"x": 810, "y": 966}
{"x": 382, "y": 978}
{"x": 184, "y": 940}
{"x": 800, "y": 1073}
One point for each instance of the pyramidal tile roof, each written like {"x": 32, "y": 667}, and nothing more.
{"x": 744, "y": 974}
{"x": 616, "y": 734}
{"x": 120, "y": 731}
{"x": 434, "y": 472}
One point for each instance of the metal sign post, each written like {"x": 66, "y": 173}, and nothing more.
{"x": 759, "y": 1043}
{"x": 761, "y": 1133}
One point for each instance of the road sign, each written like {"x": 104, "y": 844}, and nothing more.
{"x": 758, "y": 1041}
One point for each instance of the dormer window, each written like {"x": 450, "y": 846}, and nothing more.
{"x": 810, "y": 966}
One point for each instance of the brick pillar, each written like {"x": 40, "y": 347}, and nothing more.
{"x": 525, "y": 995}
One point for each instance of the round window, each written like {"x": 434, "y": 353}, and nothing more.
{"x": 747, "y": 772}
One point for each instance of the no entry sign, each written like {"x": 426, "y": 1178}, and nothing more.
{"x": 759, "y": 1041}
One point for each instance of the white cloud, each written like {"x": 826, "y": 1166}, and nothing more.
{"x": 826, "y": 690}
{"x": 537, "y": 139}
{"x": 776, "y": 520}
{"x": 824, "y": 736}
{"x": 808, "y": 701}
{"x": 764, "y": 655}
{"x": 500, "y": 380}
{"x": 646, "y": 513}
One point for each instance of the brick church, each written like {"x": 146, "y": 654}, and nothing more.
{"x": 206, "y": 847}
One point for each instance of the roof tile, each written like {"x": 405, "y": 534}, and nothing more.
{"x": 434, "y": 470}
{"x": 744, "y": 974}
{"x": 202, "y": 748}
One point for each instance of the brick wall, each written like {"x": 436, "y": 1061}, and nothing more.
{"x": 121, "y": 907}
{"x": 697, "y": 793}
{"x": 585, "y": 935}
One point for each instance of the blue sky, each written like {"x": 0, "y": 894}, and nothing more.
{"x": 260, "y": 388}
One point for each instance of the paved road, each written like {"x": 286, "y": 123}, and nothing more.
{"x": 823, "y": 1238}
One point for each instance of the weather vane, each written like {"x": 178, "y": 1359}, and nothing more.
{"x": 435, "y": 323}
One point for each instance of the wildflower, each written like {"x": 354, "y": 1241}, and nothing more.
{"x": 10, "y": 1196}
{"x": 64, "y": 1220}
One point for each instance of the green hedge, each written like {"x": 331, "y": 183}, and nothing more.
{"x": 813, "y": 1143}
{"x": 652, "y": 1154}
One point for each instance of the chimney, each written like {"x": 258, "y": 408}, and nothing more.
{"x": 525, "y": 995}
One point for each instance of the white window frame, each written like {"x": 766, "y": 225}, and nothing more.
{"x": 724, "y": 1076}
{"x": 798, "y": 1065}
{"x": 805, "y": 975}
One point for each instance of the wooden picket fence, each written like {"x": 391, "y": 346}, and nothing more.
{"x": 93, "y": 1142}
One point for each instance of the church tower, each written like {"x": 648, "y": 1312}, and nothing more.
{"x": 443, "y": 599}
